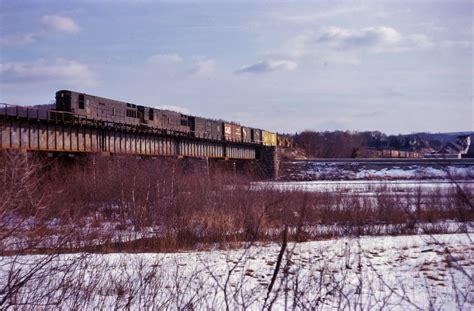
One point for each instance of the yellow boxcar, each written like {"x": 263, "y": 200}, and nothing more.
{"x": 269, "y": 138}
{"x": 273, "y": 137}
{"x": 284, "y": 141}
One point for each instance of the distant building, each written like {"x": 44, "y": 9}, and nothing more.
{"x": 461, "y": 148}
{"x": 470, "y": 150}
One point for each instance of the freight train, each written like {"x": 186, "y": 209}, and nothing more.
{"x": 386, "y": 153}
{"x": 109, "y": 110}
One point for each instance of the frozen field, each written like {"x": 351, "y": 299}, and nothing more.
{"x": 414, "y": 249}
{"x": 367, "y": 170}
{"x": 391, "y": 273}
{"x": 373, "y": 187}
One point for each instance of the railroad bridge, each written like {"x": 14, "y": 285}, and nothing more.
{"x": 31, "y": 129}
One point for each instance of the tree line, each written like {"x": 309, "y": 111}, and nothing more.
{"x": 345, "y": 144}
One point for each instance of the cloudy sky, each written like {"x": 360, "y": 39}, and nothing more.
{"x": 393, "y": 66}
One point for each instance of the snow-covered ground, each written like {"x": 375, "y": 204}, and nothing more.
{"x": 401, "y": 187}
{"x": 383, "y": 272}
{"x": 401, "y": 273}
{"x": 314, "y": 170}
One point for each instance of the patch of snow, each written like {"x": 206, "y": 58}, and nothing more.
{"x": 366, "y": 186}
{"x": 313, "y": 170}
{"x": 404, "y": 272}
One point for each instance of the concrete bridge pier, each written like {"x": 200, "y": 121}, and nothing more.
{"x": 269, "y": 159}
{"x": 265, "y": 166}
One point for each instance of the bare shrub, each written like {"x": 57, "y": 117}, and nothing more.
{"x": 25, "y": 215}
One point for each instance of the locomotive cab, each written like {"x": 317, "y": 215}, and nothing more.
{"x": 63, "y": 100}
{"x": 141, "y": 114}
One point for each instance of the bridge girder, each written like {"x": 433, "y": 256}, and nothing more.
{"x": 44, "y": 136}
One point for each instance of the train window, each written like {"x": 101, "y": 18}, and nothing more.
{"x": 102, "y": 104}
{"x": 150, "y": 114}
{"x": 184, "y": 122}
{"x": 113, "y": 112}
{"x": 131, "y": 113}
{"x": 81, "y": 101}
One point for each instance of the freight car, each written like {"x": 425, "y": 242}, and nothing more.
{"x": 246, "y": 134}
{"x": 232, "y": 132}
{"x": 205, "y": 128}
{"x": 257, "y": 136}
{"x": 269, "y": 138}
{"x": 284, "y": 141}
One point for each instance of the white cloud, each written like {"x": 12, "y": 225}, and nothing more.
{"x": 61, "y": 71}
{"x": 378, "y": 39}
{"x": 343, "y": 46}
{"x": 366, "y": 37}
{"x": 269, "y": 66}
{"x": 175, "y": 108}
{"x": 50, "y": 24}
{"x": 18, "y": 40}
{"x": 203, "y": 66}
{"x": 58, "y": 23}
{"x": 165, "y": 59}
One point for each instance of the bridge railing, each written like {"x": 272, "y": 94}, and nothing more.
{"x": 23, "y": 112}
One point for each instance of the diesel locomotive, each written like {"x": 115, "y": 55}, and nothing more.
{"x": 109, "y": 110}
